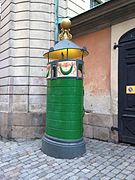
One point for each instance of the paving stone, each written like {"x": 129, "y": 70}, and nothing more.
{"x": 49, "y": 176}
{"x": 130, "y": 177}
{"x": 105, "y": 178}
{"x": 126, "y": 172}
{"x": 121, "y": 176}
{"x": 23, "y": 160}
{"x": 116, "y": 171}
{"x": 95, "y": 178}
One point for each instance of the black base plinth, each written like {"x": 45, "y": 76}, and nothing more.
{"x": 62, "y": 149}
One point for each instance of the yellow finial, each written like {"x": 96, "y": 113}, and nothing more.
{"x": 65, "y": 28}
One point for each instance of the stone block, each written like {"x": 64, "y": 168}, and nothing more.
{"x": 39, "y": 25}
{"x": 5, "y": 37}
{"x": 20, "y": 107}
{"x": 37, "y": 99}
{"x": 27, "y": 132}
{"x": 40, "y": 34}
{"x": 38, "y": 90}
{"x": 38, "y": 119}
{"x": 20, "y": 98}
{"x": 4, "y": 98}
{"x": 88, "y": 131}
{"x": 101, "y": 133}
{"x": 20, "y": 81}
{"x": 20, "y": 34}
{"x": 5, "y": 132}
{"x": 62, "y": 11}
{"x": 37, "y": 107}
{"x": 3, "y": 119}
{"x": 5, "y": 4}
{"x": 20, "y": 52}
{"x": 6, "y": 17}
{"x": 21, "y": 24}
{"x": 39, "y": 43}
{"x": 4, "y": 90}
{"x": 38, "y": 81}
{"x": 22, "y": 43}
{"x": 4, "y": 107}
{"x": 4, "y": 63}
{"x": 40, "y": 16}
{"x": 37, "y": 53}
{"x": 28, "y": 119}
{"x": 22, "y": 125}
{"x": 5, "y": 45}
{"x": 38, "y": 71}
{"x": 77, "y": 8}
{"x": 102, "y": 120}
{"x": 20, "y": 16}
{"x": 4, "y": 81}
{"x": 19, "y": 71}
{"x": 4, "y": 72}
{"x": 16, "y": 61}
{"x": 86, "y": 118}
{"x": 20, "y": 90}
{"x": 40, "y": 7}
{"x": 5, "y": 125}
{"x": 38, "y": 62}
{"x": 5, "y": 28}
{"x": 21, "y": 119}
{"x": 115, "y": 120}
{"x": 22, "y": 6}
{"x": 114, "y": 136}
{"x": 97, "y": 104}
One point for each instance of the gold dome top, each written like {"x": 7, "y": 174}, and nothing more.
{"x": 65, "y": 29}
{"x": 65, "y": 23}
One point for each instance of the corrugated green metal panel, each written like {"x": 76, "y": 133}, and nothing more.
{"x": 65, "y": 108}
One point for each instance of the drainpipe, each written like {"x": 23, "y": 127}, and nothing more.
{"x": 56, "y": 14}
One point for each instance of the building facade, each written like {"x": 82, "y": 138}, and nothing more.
{"x": 28, "y": 29}
{"x": 109, "y": 34}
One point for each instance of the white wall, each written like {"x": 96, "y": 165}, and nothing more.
{"x": 27, "y": 31}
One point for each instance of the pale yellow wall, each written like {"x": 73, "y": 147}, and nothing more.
{"x": 117, "y": 31}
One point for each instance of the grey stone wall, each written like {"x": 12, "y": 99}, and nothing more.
{"x": 25, "y": 35}
{"x": 71, "y": 8}
{"x": 98, "y": 126}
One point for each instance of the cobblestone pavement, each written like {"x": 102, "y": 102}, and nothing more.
{"x": 23, "y": 160}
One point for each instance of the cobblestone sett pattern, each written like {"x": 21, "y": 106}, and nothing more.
{"x": 23, "y": 160}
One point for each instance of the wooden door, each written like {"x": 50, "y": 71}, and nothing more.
{"x": 126, "y": 88}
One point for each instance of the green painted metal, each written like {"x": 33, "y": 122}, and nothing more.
{"x": 65, "y": 108}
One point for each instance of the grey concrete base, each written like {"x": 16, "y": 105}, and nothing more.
{"x": 63, "y": 149}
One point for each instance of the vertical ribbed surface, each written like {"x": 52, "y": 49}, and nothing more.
{"x": 64, "y": 119}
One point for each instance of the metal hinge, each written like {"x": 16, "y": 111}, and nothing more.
{"x": 114, "y": 128}
{"x": 116, "y": 46}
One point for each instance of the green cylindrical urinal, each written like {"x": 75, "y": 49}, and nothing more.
{"x": 64, "y": 115}
{"x": 65, "y": 106}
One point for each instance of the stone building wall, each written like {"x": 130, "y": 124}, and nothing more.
{"x": 71, "y": 8}
{"x": 101, "y": 80}
{"x": 97, "y": 101}
{"x": 27, "y": 32}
